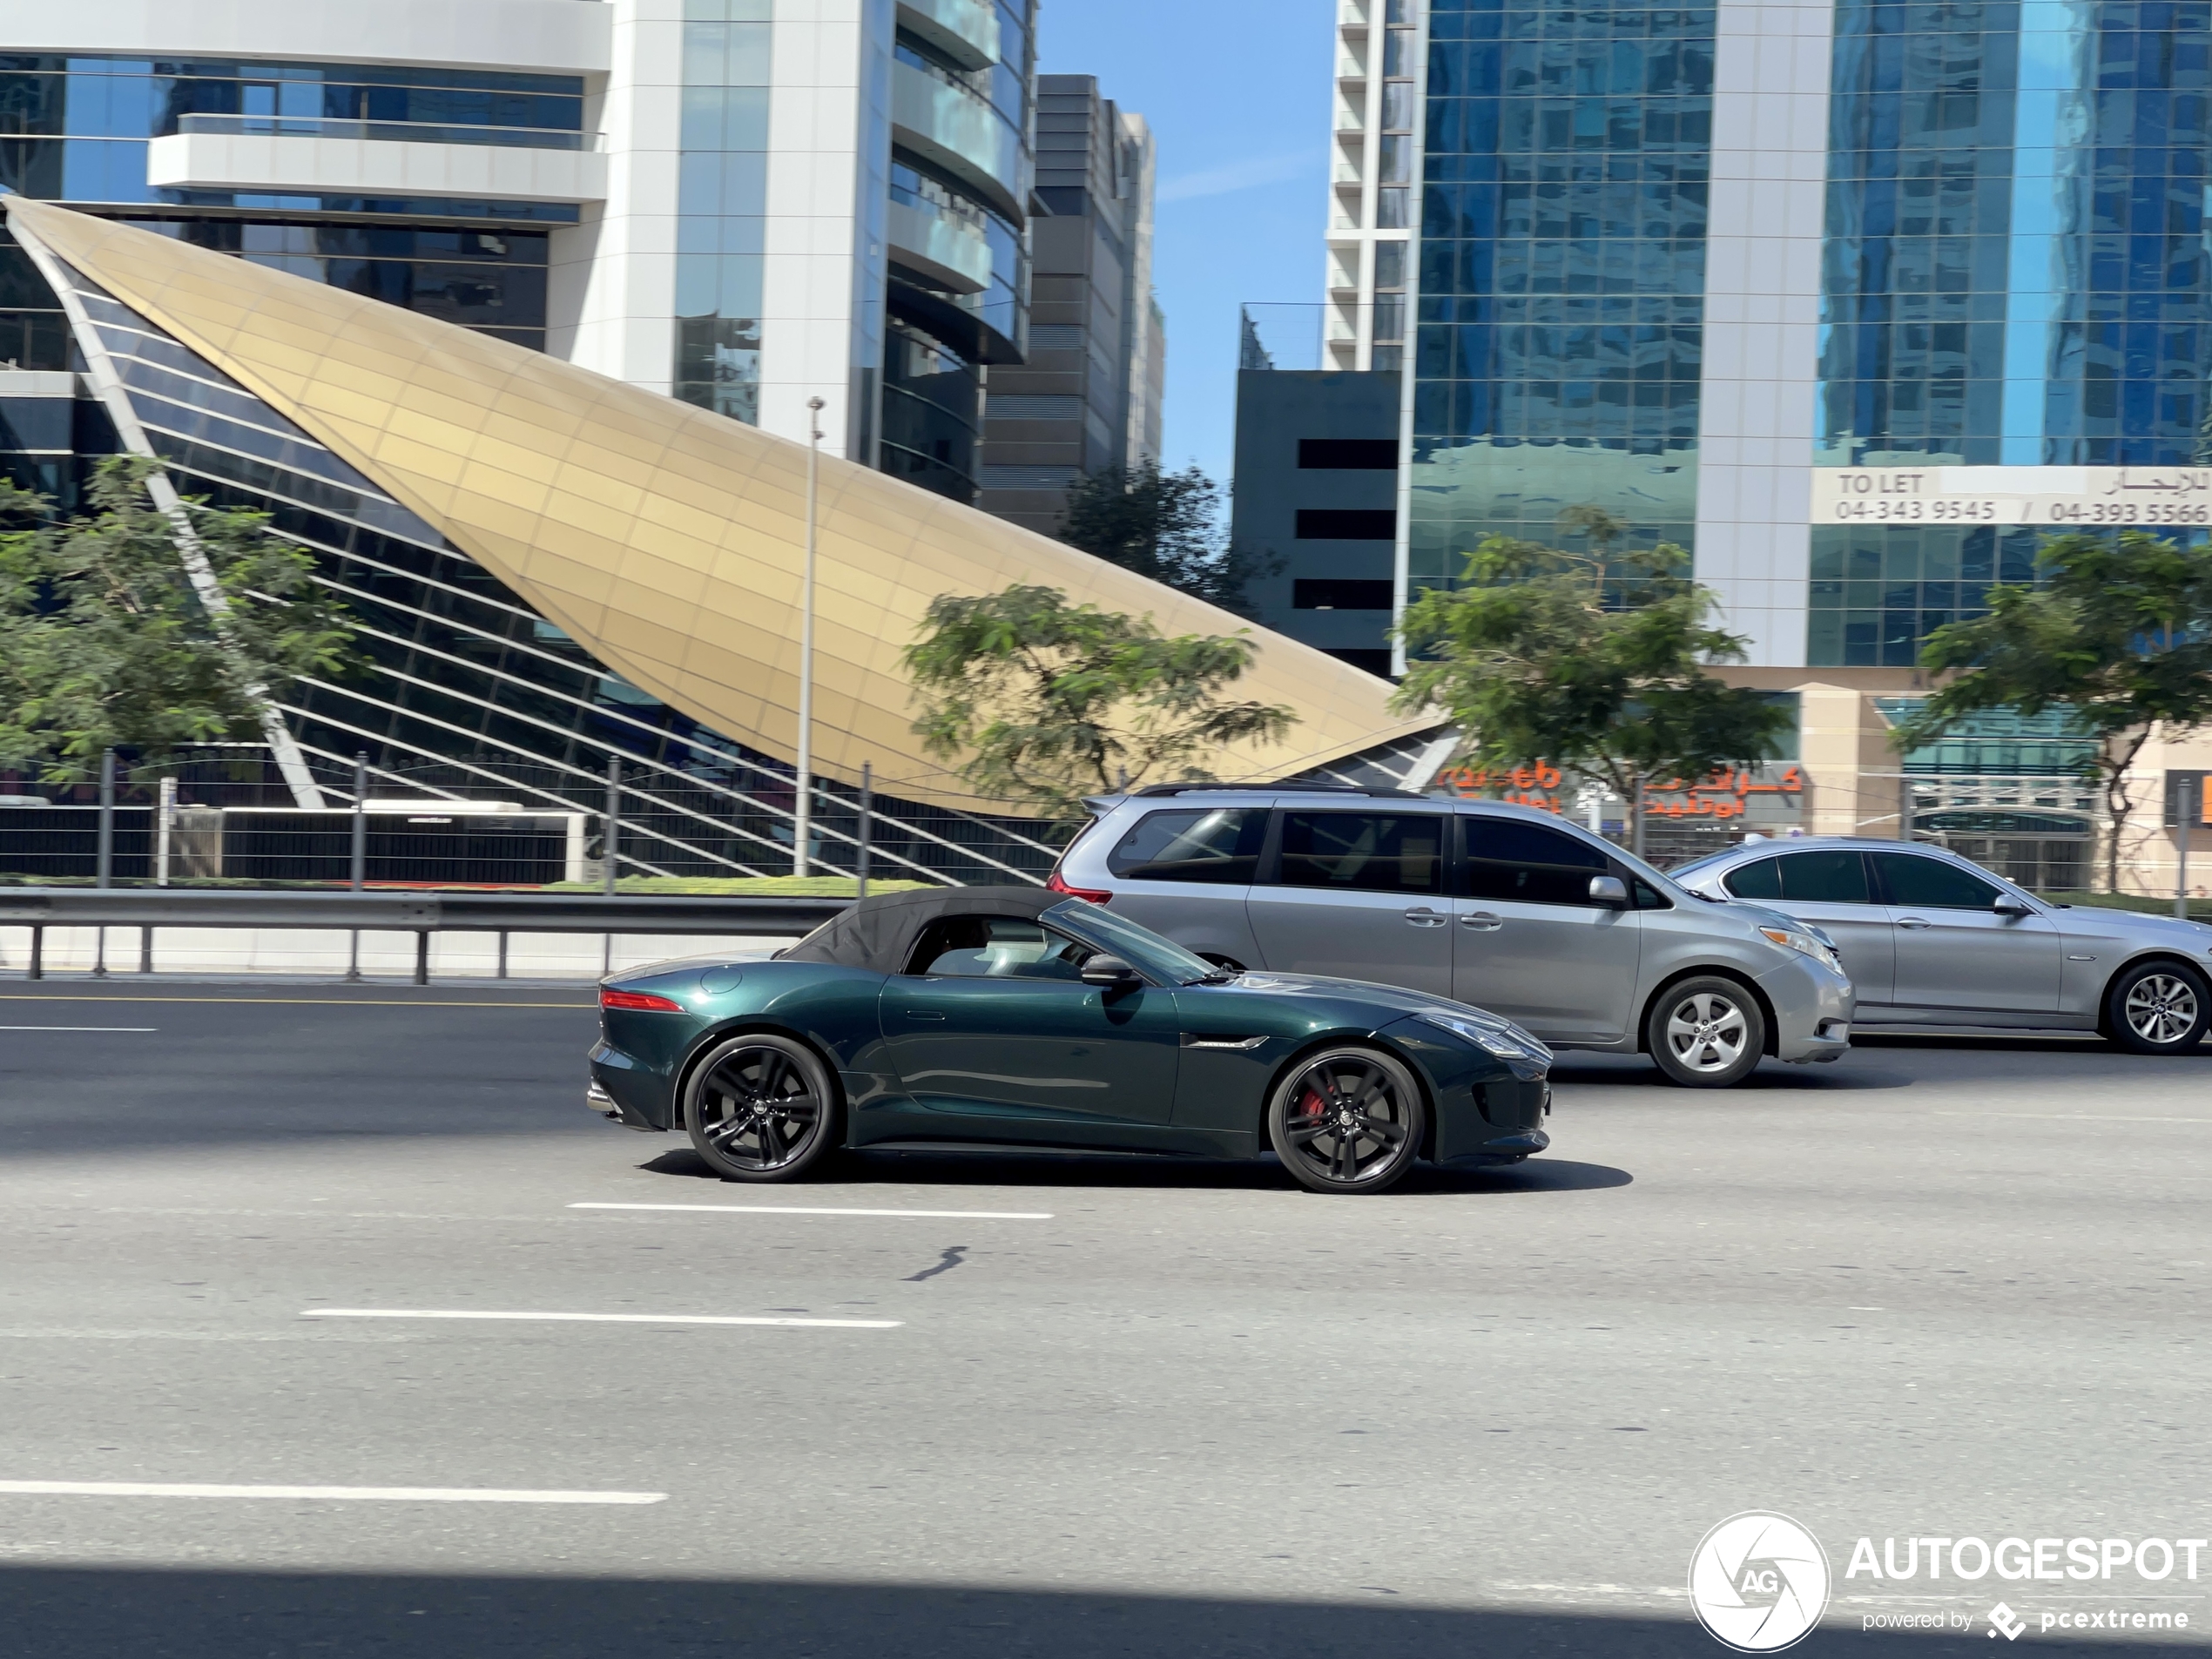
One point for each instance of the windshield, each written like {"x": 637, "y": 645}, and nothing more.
{"x": 1658, "y": 879}
{"x": 1158, "y": 958}
{"x": 1696, "y": 865}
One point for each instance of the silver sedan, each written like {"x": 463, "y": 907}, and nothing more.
{"x": 1930, "y": 938}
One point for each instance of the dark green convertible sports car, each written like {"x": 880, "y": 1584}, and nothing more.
{"x": 1013, "y": 1016}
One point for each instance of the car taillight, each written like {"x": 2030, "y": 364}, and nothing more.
{"x": 1092, "y": 895}
{"x": 613, "y": 998}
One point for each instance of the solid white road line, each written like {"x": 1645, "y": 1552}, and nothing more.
{"x": 2075, "y": 1117}
{"x": 793, "y": 1210}
{"x": 79, "y": 1028}
{"x": 352, "y": 1494}
{"x": 595, "y": 1319}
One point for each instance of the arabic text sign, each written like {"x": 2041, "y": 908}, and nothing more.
{"x": 2067, "y": 497}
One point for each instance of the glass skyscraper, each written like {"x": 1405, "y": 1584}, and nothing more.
{"x": 1855, "y": 298}
{"x": 1562, "y": 269}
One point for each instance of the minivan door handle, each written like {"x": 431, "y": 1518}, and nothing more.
{"x": 1422, "y": 916}
{"x": 1482, "y": 921}
{"x": 1914, "y": 921}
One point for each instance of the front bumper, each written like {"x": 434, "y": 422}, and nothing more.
{"x": 1813, "y": 1007}
{"x": 1505, "y": 1148}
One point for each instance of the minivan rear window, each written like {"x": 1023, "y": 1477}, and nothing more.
{"x": 1219, "y": 844}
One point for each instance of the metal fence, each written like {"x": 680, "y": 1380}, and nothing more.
{"x": 226, "y": 815}
{"x": 419, "y": 913}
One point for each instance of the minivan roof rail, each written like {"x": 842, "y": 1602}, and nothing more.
{"x": 1277, "y": 789}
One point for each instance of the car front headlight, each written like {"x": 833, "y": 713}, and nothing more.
{"x": 1798, "y": 939}
{"x": 1504, "y": 1044}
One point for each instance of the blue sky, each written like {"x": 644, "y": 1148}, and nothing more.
{"x": 1237, "y": 95}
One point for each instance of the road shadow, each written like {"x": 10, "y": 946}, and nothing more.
{"x": 1576, "y": 1067}
{"x": 101, "y": 1613}
{"x": 986, "y": 1167}
{"x": 2025, "y": 1042}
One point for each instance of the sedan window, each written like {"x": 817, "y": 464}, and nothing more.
{"x": 1935, "y": 884}
{"x": 1364, "y": 851}
{"x": 1762, "y": 880}
{"x": 1824, "y": 878}
{"x": 1508, "y": 858}
{"x": 996, "y": 948}
{"x": 1222, "y": 845}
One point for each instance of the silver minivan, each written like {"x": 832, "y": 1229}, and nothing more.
{"x": 1933, "y": 940}
{"x": 1501, "y": 907}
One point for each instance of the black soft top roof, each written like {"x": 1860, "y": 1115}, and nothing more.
{"x": 879, "y": 932}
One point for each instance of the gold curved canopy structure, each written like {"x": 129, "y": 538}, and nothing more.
{"x": 667, "y": 540}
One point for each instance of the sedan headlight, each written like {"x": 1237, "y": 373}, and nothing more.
{"x": 1798, "y": 939}
{"x": 1504, "y": 1044}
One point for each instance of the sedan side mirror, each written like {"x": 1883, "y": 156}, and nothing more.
{"x": 2008, "y": 905}
{"x": 1608, "y": 890}
{"x": 1109, "y": 971}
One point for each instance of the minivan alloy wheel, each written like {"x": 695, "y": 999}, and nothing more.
{"x": 1706, "y": 1033}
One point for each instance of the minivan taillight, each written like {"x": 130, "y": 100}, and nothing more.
{"x": 1093, "y": 895}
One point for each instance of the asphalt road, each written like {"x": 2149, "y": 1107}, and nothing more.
{"x": 1938, "y": 1289}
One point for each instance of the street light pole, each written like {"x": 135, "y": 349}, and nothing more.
{"x": 802, "y": 825}
{"x": 2186, "y": 809}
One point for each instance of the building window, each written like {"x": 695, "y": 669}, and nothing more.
{"x": 1347, "y": 524}
{"x": 721, "y": 206}
{"x": 1337, "y": 593}
{"x": 1347, "y": 455}
{"x": 1390, "y": 265}
{"x": 1374, "y": 662}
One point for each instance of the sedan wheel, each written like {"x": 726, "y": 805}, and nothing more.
{"x": 2161, "y": 1007}
{"x": 760, "y": 1108}
{"x": 1706, "y": 1033}
{"x": 1348, "y": 1120}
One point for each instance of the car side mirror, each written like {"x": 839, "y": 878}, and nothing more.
{"x": 2008, "y": 905}
{"x": 1109, "y": 971}
{"x": 1608, "y": 890}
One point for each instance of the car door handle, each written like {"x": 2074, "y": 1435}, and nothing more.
{"x": 1915, "y": 922}
{"x": 1482, "y": 921}
{"x": 924, "y": 1014}
{"x": 1422, "y": 916}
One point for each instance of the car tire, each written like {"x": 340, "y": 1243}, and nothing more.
{"x": 1347, "y": 1119}
{"x": 1706, "y": 1033}
{"x": 761, "y": 1107}
{"x": 2158, "y": 1008}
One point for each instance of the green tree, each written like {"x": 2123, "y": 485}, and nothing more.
{"x": 1539, "y": 656}
{"x": 120, "y": 629}
{"x": 1166, "y": 526}
{"x": 1042, "y": 702}
{"x": 2118, "y": 633}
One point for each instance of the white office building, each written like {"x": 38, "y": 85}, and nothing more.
{"x": 744, "y": 204}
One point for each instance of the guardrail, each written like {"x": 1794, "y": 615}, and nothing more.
{"x": 419, "y": 913}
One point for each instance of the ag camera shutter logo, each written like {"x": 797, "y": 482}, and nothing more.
{"x": 1759, "y": 1582}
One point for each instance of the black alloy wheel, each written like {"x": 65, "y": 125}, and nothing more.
{"x": 2158, "y": 1008}
{"x": 1347, "y": 1120}
{"x": 760, "y": 1108}
{"x": 1706, "y": 1033}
